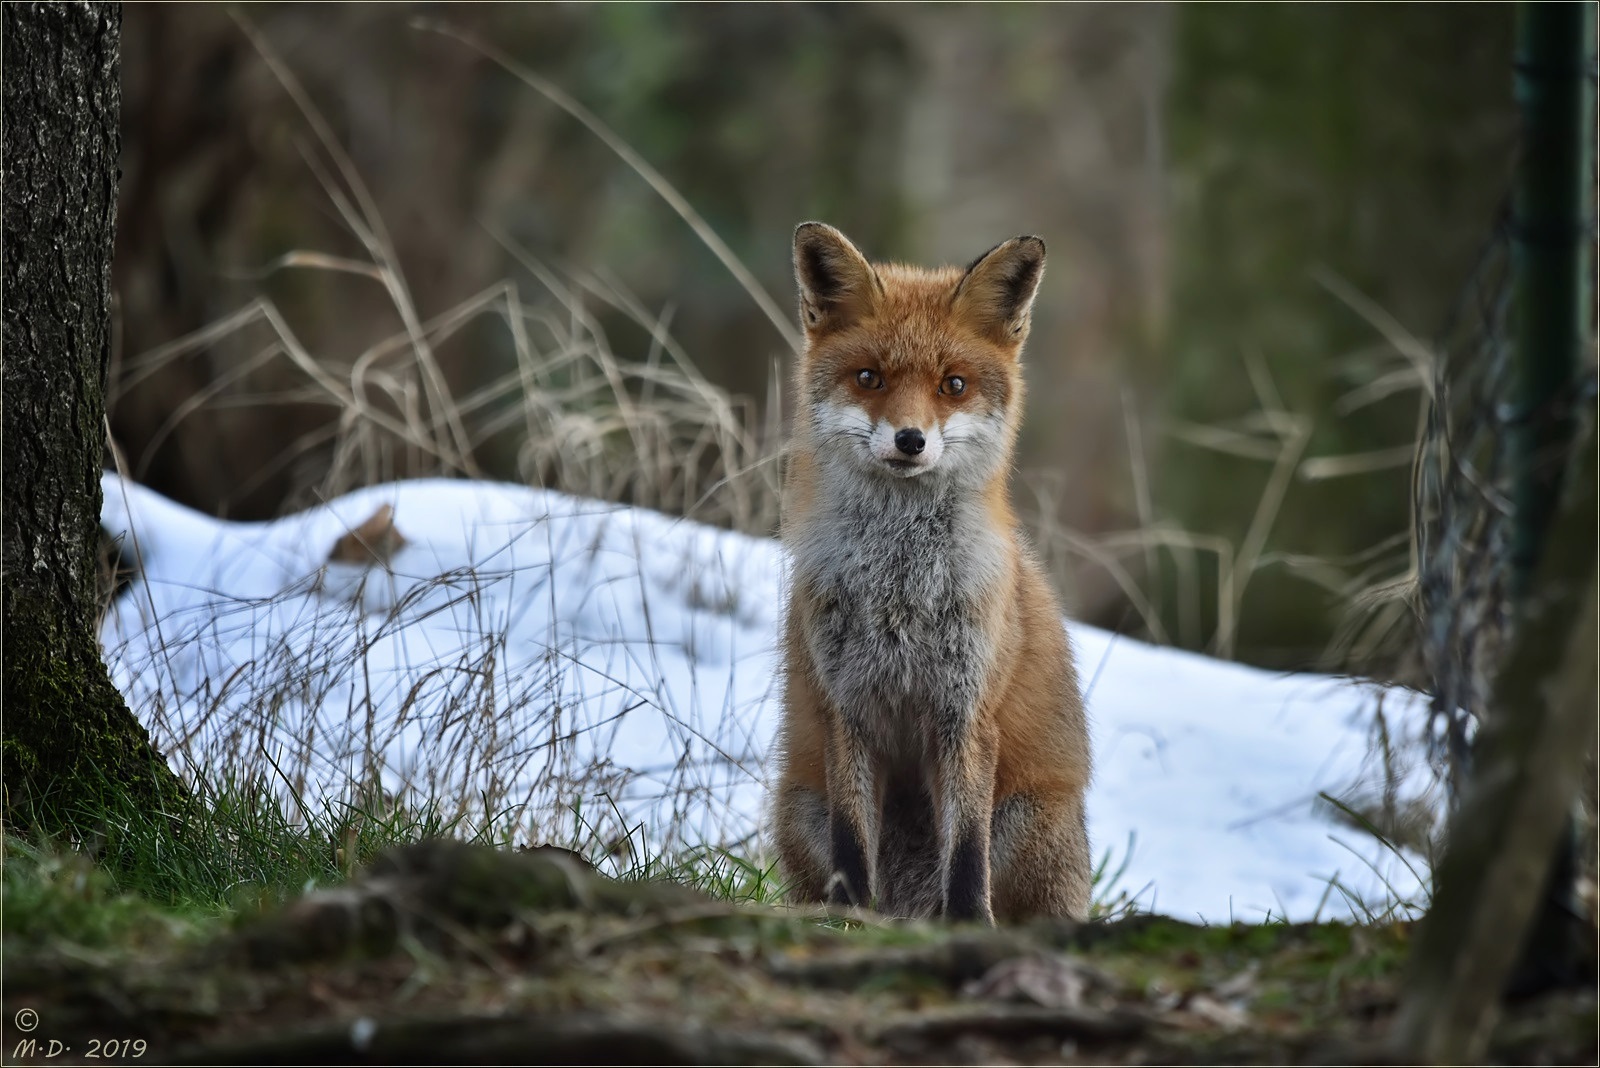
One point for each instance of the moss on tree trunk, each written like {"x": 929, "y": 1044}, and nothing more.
{"x": 70, "y": 744}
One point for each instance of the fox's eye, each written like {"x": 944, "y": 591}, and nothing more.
{"x": 954, "y": 386}
{"x": 868, "y": 379}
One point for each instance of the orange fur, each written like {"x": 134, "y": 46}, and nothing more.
{"x": 1009, "y": 785}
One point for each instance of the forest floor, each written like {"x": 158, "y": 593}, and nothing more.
{"x": 443, "y": 952}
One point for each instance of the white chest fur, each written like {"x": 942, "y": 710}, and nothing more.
{"x": 900, "y": 577}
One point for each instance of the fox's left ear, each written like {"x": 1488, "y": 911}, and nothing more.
{"x": 837, "y": 284}
{"x": 996, "y": 296}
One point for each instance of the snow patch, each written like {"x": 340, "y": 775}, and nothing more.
{"x": 524, "y": 650}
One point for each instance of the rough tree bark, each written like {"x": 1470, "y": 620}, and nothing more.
{"x": 1528, "y": 761}
{"x": 1497, "y": 889}
{"x": 69, "y": 742}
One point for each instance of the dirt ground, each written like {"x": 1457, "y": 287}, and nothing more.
{"x": 447, "y": 953}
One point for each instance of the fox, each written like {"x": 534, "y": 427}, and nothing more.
{"x": 932, "y": 750}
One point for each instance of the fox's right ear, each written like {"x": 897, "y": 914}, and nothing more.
{"x": 837, "y": 284}
{"x": 996, "y": 296}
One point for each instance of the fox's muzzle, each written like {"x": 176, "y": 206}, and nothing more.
{"x": 910, "y": 441}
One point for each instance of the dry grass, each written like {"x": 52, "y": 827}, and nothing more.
{"x": 647, "y": 430}
{"x": 650, "y": 431}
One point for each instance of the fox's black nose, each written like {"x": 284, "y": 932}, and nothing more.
{"x": 909, "y": 441}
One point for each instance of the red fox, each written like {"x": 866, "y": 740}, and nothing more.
{"x": 933, "y": 752}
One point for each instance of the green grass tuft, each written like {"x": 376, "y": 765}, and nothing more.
{"x": 55, "y": 898}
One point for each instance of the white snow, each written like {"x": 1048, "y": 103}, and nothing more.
{"x": 527, "y": 651}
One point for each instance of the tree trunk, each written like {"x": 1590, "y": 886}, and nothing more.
{"x": 1528, "y": 761}
{"x": 71, "y": 747}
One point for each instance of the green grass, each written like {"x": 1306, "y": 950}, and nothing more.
{"x": 237, "y": 852}
{"x": 237, "y": 846}
{"x": 719, "y": 872}
{"x": 54, "y": 898}
{"x": 147, "y": 876}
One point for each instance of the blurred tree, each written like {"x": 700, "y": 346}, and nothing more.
{"x": 1506, "y": 879}
{"x": 1495, "y": 880}
{"x": 68, "y": 735}
{"x": 1049, "y": 119}
{"x": 1188, "y": 166}
{"x": 1368, "y": 145}
{"x": 724, "y": 101}
{"x": 928, "y": 134}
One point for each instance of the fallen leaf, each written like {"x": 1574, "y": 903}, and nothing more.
{"x": 1053, "y": 981}
{"x": 1216, "y": 1013}
{"x": 1240, "y": 987}
{"x": 374, "y": 541}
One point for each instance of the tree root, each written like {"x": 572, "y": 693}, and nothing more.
{"x": 469, "y": 1039}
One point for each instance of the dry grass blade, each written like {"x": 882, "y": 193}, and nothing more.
{"x": 1357, "y": 463}
{"x": 367, "y": 224}
{"x": 1272, "y": 433}
{"x": 652, "y": 177}
{"x": 319, "y": 260}
{"x": 1420, "y": 357}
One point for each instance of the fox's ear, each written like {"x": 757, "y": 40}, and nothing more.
{"x": 996, "y": 296}
{"x": 837, "y": 284}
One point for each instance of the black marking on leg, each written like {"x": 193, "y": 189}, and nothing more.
{"x": 848, "y": 883}
{"x": 908, "y": 849}
{"x": 967, "y": 896}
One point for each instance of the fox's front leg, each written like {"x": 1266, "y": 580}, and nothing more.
{"x": 851, "y": 827}
{"x": 964, "y": 800}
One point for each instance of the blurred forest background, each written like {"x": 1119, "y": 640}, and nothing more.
{"x": 1252, "y": 212}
